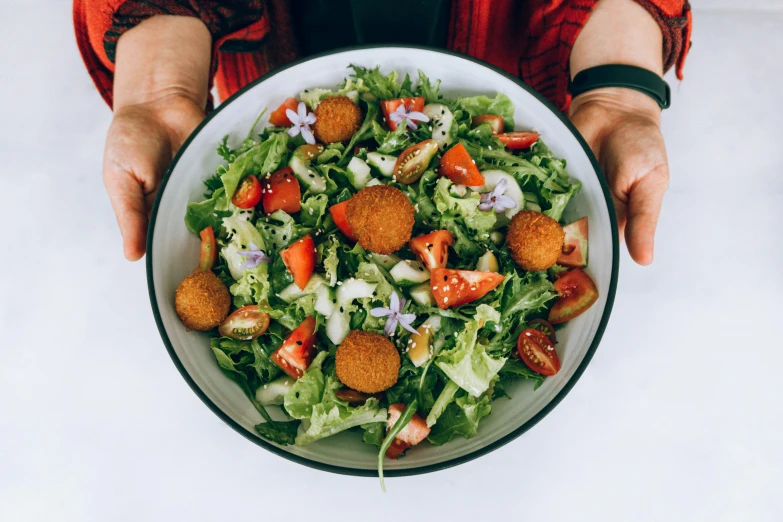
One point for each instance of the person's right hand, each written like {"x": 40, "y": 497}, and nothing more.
{"x": 141, "y": 142}
{"x": 160, "y": 91}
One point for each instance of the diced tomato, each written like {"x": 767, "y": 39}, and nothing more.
{"x": 282, "y": 192}
{"x": 340, "y": 218}
{"x": 518, "y": 140}
{"x": 245, "y": 324}
{"x": 297, "y": 351}
{"x": 538, "y": 352}
{"x": 389, "y": 106}
{"x": 457, "y": 164}
{"x": 248, "y": 194}
{"x": 576, "y": 293}
{"x": 495, "y": 122}
{"x": 414, "y": 432}
{"x": 413, "y": 161}
{"x": 279, "y": 118}
{"x": 458, "y": 287}
{"x": 208, "y": 253}
{"x": 433, "y": 248}
{"x": 575, "y": 244}
{"x": 299, "y": 258}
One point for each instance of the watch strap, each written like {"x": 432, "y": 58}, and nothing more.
{"x": 628, "y": 76}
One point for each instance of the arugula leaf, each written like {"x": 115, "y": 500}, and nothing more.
{"x": 444, "y": 399}
{"x": 209, "y": 213}
{"x": 283, "y": 433}
{"x": 515, "y": 369}
{"x": 393, "y": 141}
{"x": 374, "y": 433}
{"x": 365, "y": 132}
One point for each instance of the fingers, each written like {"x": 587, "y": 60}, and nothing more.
{"x": 130, "y": 208}
{"x": 137, "y": 152}
{"x": 644, "y": 208}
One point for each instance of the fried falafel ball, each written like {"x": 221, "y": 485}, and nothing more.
{"x": 535, "y": 240}
{"x": 202, "y": 301}
{"x": 337, "y": 119}
{"x": 381, "y": 218}
{"x": 367, "y": 362}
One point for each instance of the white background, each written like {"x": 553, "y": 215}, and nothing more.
{"x": 678, "y": 417}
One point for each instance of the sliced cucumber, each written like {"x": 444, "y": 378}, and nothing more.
{"x": 492, "y": 178}
{"x": 409, "y": 273}
{"x": 386, "y": 261}
{"x": 292, "y": 292}
{"x": 272, "y": 393}
{"x": 373, "y": 182}
{"x": 358, "y": 172}
{"x": 338, "y": 326}
{"x": 354, "y": 289}
{"x": 300, "y": 164}
{"x": 422, "y": 295}
{"x": 487, "y": 262}
{"x": 441, "y": 120}
{"x": 383, "y": 162}
{"x": 497, "y": 237}
{"x": 324, "y": 301}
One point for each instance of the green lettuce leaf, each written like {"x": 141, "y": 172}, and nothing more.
{"x": 392, "y": 142}
{"x": 430, "y": 90}
{"x": 374, "y": 433}
{"x": 252, "y": 287}
{"x": 331, "y": 417}
{"x": 516, "y": 369}
{"x": 307, "y": 391}
{"x": 313, "y": 210}
{"x": 500, "y": 105}
{"x": 330, "y": 259}
{"x": 465, "y": 207}
{"x": 468, "y": 364}
{"x": 384, "y": 87}
{"x": 444, "y": 399}
{"x": 262, "y": 158}
{"x": 209, "y": 213}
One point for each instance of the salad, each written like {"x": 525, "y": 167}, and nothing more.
{"x": 384, "y": 259}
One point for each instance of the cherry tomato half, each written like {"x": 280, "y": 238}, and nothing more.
{"x": 278, "y": 117}
{"x": 538, "y": 352}
{"x": 457, "y": 164}
{"x": 282, "y": 192}
{"x": 244, "y": 324}
{"x": 495, "y": 122}
{"x": 248, "y": 192}
{"x": 413, "y": 161}
{"x": 432, "y": 248}
{"x": 208, "y": 253}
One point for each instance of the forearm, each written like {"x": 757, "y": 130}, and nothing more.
{"x": 619, "y": 32}
{"x": 163, "y": 57}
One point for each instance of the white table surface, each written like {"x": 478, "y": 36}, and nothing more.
{"x": 678, "y": 416}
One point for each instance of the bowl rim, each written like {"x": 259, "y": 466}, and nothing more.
{"x": 430, "y": 467}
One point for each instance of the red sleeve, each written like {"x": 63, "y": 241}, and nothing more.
{"x": 554, "y": 26}
{"x": 100, "y": 23}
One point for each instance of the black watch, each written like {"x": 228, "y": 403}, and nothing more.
{"x": 629, "y": 76}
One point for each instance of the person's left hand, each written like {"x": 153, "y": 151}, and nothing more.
{"x": 622, "y": 126}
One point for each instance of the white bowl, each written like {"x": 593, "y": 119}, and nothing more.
{"x": 172, "y": 251}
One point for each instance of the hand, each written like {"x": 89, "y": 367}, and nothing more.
{"x": 141, "y": 142}
{"x": 160, "y": 90}
{"x": 622, "y": 127}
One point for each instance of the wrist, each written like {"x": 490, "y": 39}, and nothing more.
{"x": 164, "y": 57}
{"x": 619, "y": 100}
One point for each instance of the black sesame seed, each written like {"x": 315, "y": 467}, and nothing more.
{"x": 442, "y": 111}
{"x": 443, "y": 133}
{"x": 285, "y": 237}
{"x": 334, "y": 301}
{"x": 299, "y": 343}
{"x": 342, "y": 310}
{"x": 274, "y": 232}
{"x": 446, "y": 278}
{"x": 312, "y": 175}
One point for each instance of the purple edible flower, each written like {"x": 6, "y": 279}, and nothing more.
{"x": 394, "y": 316}
{"x": 408, "y": 115}
{"x": 496, "y": 200}
{"x": 254, "y": 257}
{"x": 302, "y": 122}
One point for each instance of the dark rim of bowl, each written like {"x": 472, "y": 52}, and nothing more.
{"x": 431, "y": 467}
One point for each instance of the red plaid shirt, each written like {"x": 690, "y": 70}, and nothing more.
{"x": 531, "y": 40}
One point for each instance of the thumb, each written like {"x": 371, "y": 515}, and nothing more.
{"x": 136, "y": 154}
